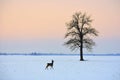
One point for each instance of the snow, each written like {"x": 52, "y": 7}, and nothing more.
{"x": 65, "y": 68}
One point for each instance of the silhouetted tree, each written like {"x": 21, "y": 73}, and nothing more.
{"x": 79, "y": 32}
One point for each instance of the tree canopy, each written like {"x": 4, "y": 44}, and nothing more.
{"x": 79, "y": 32}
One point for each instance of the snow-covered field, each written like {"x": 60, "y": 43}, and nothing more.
{"x": 65, "y": 68}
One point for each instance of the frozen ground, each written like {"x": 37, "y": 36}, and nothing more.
{"x": 65, "y": 68}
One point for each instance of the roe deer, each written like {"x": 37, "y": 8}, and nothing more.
{"x": 49, "y": 64}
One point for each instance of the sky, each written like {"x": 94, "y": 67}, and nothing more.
{"x": 39, "y": 25}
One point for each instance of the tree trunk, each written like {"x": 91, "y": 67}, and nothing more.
{"x": 81, "y": 54}
{"x": 81, "y": 49}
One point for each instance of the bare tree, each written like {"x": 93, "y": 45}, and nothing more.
{"x": 79, "y": 33}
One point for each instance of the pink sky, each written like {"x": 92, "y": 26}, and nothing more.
{"x": 45, "y": 19}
